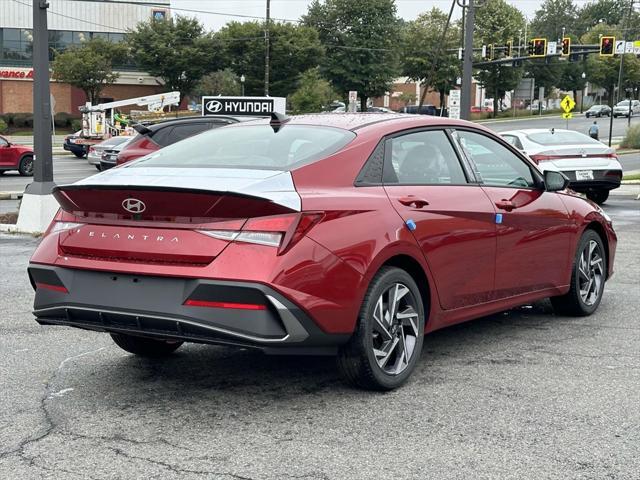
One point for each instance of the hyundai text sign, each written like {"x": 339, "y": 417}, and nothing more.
{"x": 253, "y": 106}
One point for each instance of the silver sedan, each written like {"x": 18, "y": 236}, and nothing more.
{"x": 95, "y": 151}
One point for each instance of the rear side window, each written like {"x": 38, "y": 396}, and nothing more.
{"x": 252, "y": 146}
{"x": 423, "y": 158}
{"x": 513, "y": 140}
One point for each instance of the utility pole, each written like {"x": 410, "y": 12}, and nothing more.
{"x": 266, "y": 49}
{"x": 624, "y": 32}
{"x": 38, "y": 206}
{"x": 43, "y": 161}
{"x": 467, "y": 62}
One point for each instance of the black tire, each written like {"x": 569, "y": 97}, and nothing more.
{"x": 26, "y": 166}
{"x": 572, "y": 303}
{"x": 145, "y": 347}
{"x": 598, "y": 196}
{"x": 356, "y": 359}
{"x": 98, "y": 167}
{"x": 79, "y": 154}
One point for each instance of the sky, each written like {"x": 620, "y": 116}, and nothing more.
{"x": 293, "y": 9}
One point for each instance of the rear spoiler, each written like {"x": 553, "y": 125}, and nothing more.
{"x": 141, "y": 129}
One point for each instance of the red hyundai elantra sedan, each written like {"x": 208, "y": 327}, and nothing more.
{"x": 346, "y": 234}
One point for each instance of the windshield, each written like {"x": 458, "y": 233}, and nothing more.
{"x": 624, "y": 103}
{"x": 560, "y": 138}
{"x": 252, "y": 146}
{"x": 596, "y": 107}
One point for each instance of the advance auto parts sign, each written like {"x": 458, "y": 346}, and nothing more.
{"x": 252, "y": 106}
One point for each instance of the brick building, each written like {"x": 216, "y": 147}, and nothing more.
{"x": 71, "y": 22}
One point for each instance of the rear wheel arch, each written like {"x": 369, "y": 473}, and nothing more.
{"x": 415, "y": 269}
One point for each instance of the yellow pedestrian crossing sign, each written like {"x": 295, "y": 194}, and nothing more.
{"x": 567, "y": 115}
{"x": 567, "y": 104}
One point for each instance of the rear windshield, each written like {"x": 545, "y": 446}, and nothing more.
{"x": 624, "y": 103}
{"x": 560, "y": 138}
{"x": 254, "y": 146}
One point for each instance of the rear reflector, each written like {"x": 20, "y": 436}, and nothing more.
{"x": 546, "y": 158}
{"x": 238, "y": 306}
{"x": 55, "y": 288}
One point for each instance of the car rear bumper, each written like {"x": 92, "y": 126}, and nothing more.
{"x": 222, "y": 312}
{"x": 602, "y": 180}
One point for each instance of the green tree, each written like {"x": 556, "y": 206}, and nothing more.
{"x": 89, "y": 67}
{"x": 421, "y": 43}
{"x": 313, "y": 94}
{"x": 496, "y": 23}
{"x": 177, "y": 49}
{"x": 360, "y": 38}
{"x": 553, "y": 17}
{"x": 293, "y": 50}
{"x": 609, "y": 12}
{"x": 222, "y": 82}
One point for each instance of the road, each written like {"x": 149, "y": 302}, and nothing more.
{"x": 523, "y": 394}
{"x": 66, "y": 169}
{"x": 578, "y": 123}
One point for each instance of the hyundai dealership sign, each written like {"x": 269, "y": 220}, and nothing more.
{"x": 253, "y": 106}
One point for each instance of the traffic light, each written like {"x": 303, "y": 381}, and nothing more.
{"x": 539, "y": 47}
{"x": 566, "y": 47}
{"x": 491, "y": 52}
{"x": 606, "y": 46}
{"x": 507, "y": 48}
{"x": 487, "y": 52}
{"x": 530, "y": 48}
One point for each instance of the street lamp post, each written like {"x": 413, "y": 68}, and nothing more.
{"x": 242, "y": 79}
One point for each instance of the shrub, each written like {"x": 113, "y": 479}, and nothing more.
{"x": 7, "y": 117}
{"x": 62, "y": 120}
{"x": 76, "y": 124}
{"x": 632, "y": 137}
{"x": 22, "y": 120}
{"x": 3, "y": 126}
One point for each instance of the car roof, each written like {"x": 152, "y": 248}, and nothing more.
{"x": 368, "y": 120}
{"x": 529, "y": 131}
{"x": 188, "y": 120}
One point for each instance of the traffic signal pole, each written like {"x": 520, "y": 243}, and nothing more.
{"x": 467, "y": 62}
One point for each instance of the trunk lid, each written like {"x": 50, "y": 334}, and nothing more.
{"x": 153, "y": 215}
{"x": 577, "y": 156}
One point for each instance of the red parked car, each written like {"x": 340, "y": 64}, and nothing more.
{"x": 15, "y": 157}
{"x": 159, "y": 135}
{"x": 349, "y": 234}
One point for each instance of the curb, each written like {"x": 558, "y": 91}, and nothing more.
{"x": 11, "y": 195}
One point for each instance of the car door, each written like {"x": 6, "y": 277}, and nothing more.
{"x": 451, "y": 218}
{"x": 534, "y": 231}
{"x": 6, "y": 157}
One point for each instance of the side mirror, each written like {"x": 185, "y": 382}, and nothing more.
{"x": 555, "y": 181}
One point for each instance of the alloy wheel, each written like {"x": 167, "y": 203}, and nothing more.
{"x": 590, "y": 273}
{"x": 28, "y": 166}
{"x": 395, "y": 329}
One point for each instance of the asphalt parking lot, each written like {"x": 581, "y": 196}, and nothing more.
{"x": 523, "y": 394}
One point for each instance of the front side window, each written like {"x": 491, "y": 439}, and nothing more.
{"x": 252, "y": 146}
{"x": 3, "y": 142}
{"x": 495, "y": 163}
{"x": 423, "y": 158}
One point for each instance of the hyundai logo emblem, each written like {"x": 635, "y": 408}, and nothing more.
{"x": 214, "y": 106}
{"x": 133, "y": 205}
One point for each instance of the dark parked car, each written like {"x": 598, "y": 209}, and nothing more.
{"x": 424, "y": 110}
{"x": 70, "y": 145}
{"x": 353, "y": 235}
{"x": 598, "y": 111}
{"x": 159, "y": 135}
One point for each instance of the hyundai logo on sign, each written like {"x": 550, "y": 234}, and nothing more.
{"x": 234, "y": 106}
{"x": 133, "y": 205}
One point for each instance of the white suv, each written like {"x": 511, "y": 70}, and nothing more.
{"x": 622, "y": 108}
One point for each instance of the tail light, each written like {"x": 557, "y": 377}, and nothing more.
{"x": 543, "y": 158}
{"x": 61, "y": 222}
{"x": 92, "y": 149}
{"x": 280, "y": 231}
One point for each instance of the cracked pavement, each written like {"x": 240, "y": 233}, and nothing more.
{"x": 523, "y": 394}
